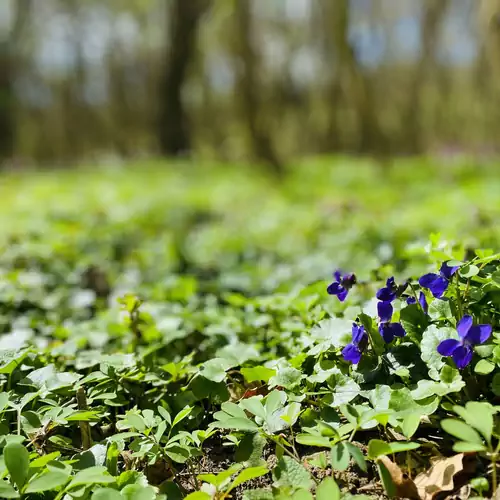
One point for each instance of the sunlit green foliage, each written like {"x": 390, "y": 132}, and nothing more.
{"x": 155, "y": 316}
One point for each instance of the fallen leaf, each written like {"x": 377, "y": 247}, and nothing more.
{"x": 395, "y": 481}
{"x": 445, "y": 474}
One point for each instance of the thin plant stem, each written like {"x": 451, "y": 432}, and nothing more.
{"x": 494, "y": 472}
{"x": 459, "y": 298}
{"x": 351, "y": 437}
{"x": 414, "y": 292}
{"x": 196, "y": 482}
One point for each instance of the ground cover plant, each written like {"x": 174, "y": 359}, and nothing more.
{"x": 180, "y": 331}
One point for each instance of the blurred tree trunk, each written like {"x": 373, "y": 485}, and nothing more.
{"x": 9, "y": 65}
{"x": 75, "y": 123}
{"x": 411, "y": 123}
{"x": 173, "y": 127}
{"x": 249, "y": 90}
{"x": 488, "y": 66}
{"x": 351, "y": 79}
{"x": 331, "y": 135}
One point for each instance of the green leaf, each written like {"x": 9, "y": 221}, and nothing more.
{"x": 346, "y": 389}
{"x": 165, "y": 415}
{"x": 313, "y": 440}
{"x": 177, "y": 453}
{"x": 50, "y": 480}
{"x": 466, "y": 447}
{"x": 350, "y": 413}
{"x": 357, "y": 455}
{"x": 414, "y": 321}
{"x": 336, "y": 332}
{"x": 451, "y": 381}
{"x": 289, "y": 472}
{"x": 386, "y": 479}
{"x": 327, "y": 430}
{"x": 400, "y": 446}
{"x": 138, "y": 492}
{"x": 112, "y": 454}
{"x": 287, "y": 377}
{"x": 461, "y": 430}
{"x": 247, "y": 475}
{"x": 377, "y": 448}
{"x": 49, "y": 379}
{"x": 130, "y": 477}
{"x": 10, "y": 359}
{"x": 258, "y": 494}
{"x": 215, "y": 369}
{"x": 17, "y": 461}
{"x": 234, "y": 410}
{"x": 44, "y": 460}
{"x": 136, "y": 421}
{"x": 254, "y": 406}
{"x": 302, "y": 495}
{"x": 198, "y": 495}
{"x": 440, "y": 310}
{"x": 318, "y": 460}
{"x": 486, "y": 351}
{"x": 182, "y": 415}
{"x": 375, "y": 338}
{"x": 449, "y": 375}
{"x": 83, "y": 416}
{"x": 401, "y": 400}
{"x": 258, "y": 373}
{"x": 468, "y": 271}
{"x": 250, "y": 449}
{"x": 410, "y": 424}
{"x": 7, "y": 491}
{"x": 240, "y": 424}
{"x": 340, "y": 456}
{"x": 480, "y": 484}
{"x": 106, "y": 494}
{"x": 93, "y": 475}
{"x": 479, "y": 416}
{"x": 171, "y": 490}
{"x": 4, "y": 399}
{"x": 484, "y": 367}
{"x": 221, "y": 477}
{"x": 328, "y": 490}
{"x": 495, "y": 384}
{"x": 122, "y": 436}
{"x": 430, "y": 340}
{"x": 274, "y": 401}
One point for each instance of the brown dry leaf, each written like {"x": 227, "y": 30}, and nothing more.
{"x": 404, "y": 486}
{"x": 444, "y": 475}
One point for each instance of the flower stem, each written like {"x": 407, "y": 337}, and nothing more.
{"x": 416, "y": 297}
{"x": 494, "y": 472}
{"x": 459, "y": 298}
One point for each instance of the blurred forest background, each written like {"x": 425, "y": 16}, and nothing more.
{"x": 237, "y": 80}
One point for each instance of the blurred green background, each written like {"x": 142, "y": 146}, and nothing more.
{"x": 247, "y": 80}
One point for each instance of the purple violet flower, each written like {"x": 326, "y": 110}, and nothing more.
{"x": 422, "y": 301}
{"x": 470, "y": 335}
{"x": 438, "y": 283}
{"x": 342, "y": 284}
{"x": 389, "y": 292}
{"x": 387, "y": 329}
{"x": 352, "y": 352}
